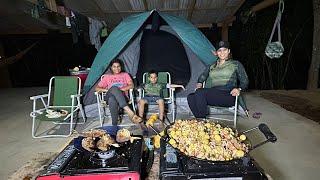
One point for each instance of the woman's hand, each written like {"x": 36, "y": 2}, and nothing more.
{"x": 235, "y": 92}
{"x": 199, "y": 85}
{"x": 99, "y": 89}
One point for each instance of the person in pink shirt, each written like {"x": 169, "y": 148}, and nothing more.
{"x": 116, "y": 83}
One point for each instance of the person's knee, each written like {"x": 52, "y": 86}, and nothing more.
{"x": 190, "y": 97}
{"x": 160, "y": 101}
{"x": 113, "y": 89}
{"x": 112, "y": 101}
{"x": 142, "y": 101}
{"x": 200, "y": 91}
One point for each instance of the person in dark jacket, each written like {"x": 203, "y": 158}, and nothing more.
{"x": 224, "y": 76}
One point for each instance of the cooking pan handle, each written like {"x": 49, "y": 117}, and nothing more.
{"x": 267, "y": 133}
{"x": 264, "y": 129}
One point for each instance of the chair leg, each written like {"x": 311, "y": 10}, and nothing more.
{"x": 33, "y": 131}
{"x": 235, "y": 113}
{"x": 81, "y": 110}
{"x": 46, "y": 136}
{"x": 173, "y": 112}
{"x": 99, "y": 110}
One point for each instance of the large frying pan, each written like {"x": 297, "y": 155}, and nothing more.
{"x": 264, "y": 129}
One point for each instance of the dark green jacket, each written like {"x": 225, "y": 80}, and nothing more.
{"x": 225, "y": 76}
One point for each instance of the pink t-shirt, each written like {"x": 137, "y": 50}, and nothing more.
{"x": 120, "y": 80}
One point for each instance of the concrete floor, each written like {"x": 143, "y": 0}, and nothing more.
{"x": 295, "y": 156}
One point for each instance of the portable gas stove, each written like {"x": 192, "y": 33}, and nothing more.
{"x": 176, "y": 166}
{"x": 71, "y": 163}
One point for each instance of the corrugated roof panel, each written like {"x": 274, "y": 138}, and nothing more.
{"x": 122, "y": 5}
{"x": 204, "y": 16}
{"x": 81, "y": 6}
{"x": 137, "y": 5}
{"x": 170, "y": 4}
{"x": 183, "y": 14}
{"x": 185, "y": 4}
{"x": 154, "y": 4}
{"x": 208, "y": 4}
{"x": 226, "y": 13}
{"x": 233, "y": 3}
{"x": 107, "y": 6}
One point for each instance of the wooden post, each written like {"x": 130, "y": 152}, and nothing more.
{"x": 313, "y": 74}
{"x": 225, "y": 27}
{"x": 225, "y": 32}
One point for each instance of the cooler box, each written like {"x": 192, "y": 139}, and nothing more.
{"x": 82, "y": 74}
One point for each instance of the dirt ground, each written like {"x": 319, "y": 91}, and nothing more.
{"x": 303, "y": 102}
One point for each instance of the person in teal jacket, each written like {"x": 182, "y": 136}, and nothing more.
{"x": 227, "y": 78}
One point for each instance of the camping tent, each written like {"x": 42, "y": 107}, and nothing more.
{"x": 139, "y": 42}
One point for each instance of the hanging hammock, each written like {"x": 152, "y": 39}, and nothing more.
{"x": 275, "y": 49}
{"x": 15, "y": 58}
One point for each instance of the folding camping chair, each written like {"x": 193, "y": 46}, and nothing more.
{"x": 217, "y": 110}
{"x": 63, "y": 102}
{"x": 168, "y": 93}
{"x": 103, "y": 106}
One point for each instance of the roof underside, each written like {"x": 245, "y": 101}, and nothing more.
{"x": 16, "y": 17}
{"x": 199, "y": 12}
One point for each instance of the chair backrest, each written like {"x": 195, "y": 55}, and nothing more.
{"x": 63, "y": 88}
{"x": 163, "y": 77}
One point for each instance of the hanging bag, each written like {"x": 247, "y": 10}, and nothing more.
{"x": 275, "y": 49}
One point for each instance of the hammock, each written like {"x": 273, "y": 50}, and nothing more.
{"x": 15, "y": 58}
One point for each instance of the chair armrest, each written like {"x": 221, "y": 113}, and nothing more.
{"x": 75, "y": 95}
{"x": 131, "y": 94}
{"x": 101, "y": 93}
{"x": 140, "y": 92}
{"x": 39, "y": 96}
{"x": 172, "y": 88}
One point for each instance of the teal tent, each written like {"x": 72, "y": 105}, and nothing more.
{"x": 124, "y": 43}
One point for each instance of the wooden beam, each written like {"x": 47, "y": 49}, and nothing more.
{"x": 227, "y": 22}
{"x": 203, "y": 25}
{"x": 263, "y": 4}
{"x": 225, "y": 33}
